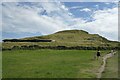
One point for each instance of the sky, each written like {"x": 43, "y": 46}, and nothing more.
{"x": 25, "y": 19}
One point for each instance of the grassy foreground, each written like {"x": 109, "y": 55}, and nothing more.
{"x": 111, "y": 70}
{"x": 50, "y": 64}
{"x": 0, "y": 60}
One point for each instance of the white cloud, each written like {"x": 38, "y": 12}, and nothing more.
{"x": 75, "y": 7}
{"x": 107, "y": 3}
{"x": 63, "y": 7}
{"x": 86, "y": 10}
{"x": 108, "y": 22}
{"x": 22, "y": 19}
{"x": 97, "y": 6}
{"x": 28, "y": 19}
{"x": 105, "y": 23}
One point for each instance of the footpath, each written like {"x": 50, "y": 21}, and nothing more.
{"x": 102, "y": 67}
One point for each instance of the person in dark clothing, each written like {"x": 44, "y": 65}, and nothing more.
{"x": 98, "y": 54}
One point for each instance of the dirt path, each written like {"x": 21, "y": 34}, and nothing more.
{"x": 102, "y": 68}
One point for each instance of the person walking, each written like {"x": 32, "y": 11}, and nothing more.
{"x": 98, "y": 54}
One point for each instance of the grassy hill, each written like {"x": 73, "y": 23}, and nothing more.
{"x": 67, "y": 38}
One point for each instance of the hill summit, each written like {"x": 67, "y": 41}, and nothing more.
{"x": 71, "y": 36}
{"x": 73, "y": 31}
{"x": 68, "y": 38}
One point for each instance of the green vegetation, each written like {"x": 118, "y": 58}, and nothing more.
{"x": 0, "y": 64}
{"x": 67, "y": 38}
{"x": 50, "y": 63}
{"x": 111, "y": 70}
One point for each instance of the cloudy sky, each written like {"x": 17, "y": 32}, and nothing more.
{"x": 23, "y": 19}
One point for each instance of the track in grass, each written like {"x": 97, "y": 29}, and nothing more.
{"x": 111, "y": 68}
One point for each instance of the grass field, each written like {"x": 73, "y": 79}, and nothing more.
{"x": 0, "y": 64}
{"x": 111, "y": 70}
{"x": 50, "y": 64}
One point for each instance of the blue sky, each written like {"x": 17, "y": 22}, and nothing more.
{"x": 24, "y": 19}
{"x": 92, "y": 6}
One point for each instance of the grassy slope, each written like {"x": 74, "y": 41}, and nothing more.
{"x": 68, "y": 38}
{"x": 50, "y": 64}
{"x": 75, "y": 37}
{"x": 0, "y": 64}
{"x": 111, "y": 70}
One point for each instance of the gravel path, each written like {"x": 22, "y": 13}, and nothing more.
{"x": 102, "y": 68}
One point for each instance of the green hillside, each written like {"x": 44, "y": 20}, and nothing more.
{"x": 67, "y": 38}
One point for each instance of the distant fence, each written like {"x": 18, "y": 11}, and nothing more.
{"x": 33, "y": 40}
{"x": 34, "y": 47}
